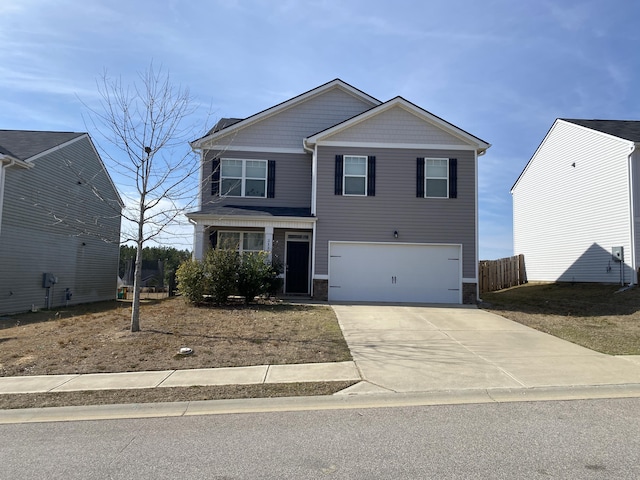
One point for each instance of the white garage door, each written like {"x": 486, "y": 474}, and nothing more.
{"x": 391, "y": 272}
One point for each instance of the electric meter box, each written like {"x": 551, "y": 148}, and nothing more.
{"x": 618, "y": 253}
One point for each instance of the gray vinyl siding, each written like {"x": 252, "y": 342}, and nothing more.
{"x": 293, "y": 180}
{"x": 395, "y": 206}
{"x": 566, "y": 218}
{"x": 287, "y": 128}
{"x": 52, "y": 223}
{"x": 396, "y": 125}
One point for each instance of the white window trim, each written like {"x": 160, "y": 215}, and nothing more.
{"x": 244, "y": 178}
{"x": 344, "y": 175}
{"x": 241, "y": 249}
{"x": 426, "y": 177}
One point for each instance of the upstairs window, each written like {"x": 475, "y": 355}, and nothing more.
{"x": 355, "y": 175}
{"x": 436, "y": 177}
{"x": 243, "y": 178}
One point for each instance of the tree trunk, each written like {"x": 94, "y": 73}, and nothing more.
{"x": 137, "y": 282}
{"x": 135, "y": 307}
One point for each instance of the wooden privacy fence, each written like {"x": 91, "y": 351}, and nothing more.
{"x": 501, "y": 273}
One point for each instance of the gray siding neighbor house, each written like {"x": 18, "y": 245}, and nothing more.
{"x": 59, "y": 222}
{"x": 357, "y": 199}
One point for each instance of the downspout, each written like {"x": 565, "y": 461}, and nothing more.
{"x": 634, "y": 275}
{"x": 476, "y": 266}
{"x": 314, "y": 177}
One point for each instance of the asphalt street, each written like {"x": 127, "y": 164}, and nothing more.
{"x": 581, "y": 439}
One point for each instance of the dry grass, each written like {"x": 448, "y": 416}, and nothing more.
{"x": 96, "y": 338}
{"x": 154, "y": 395}
{"x": 591, "y": 315}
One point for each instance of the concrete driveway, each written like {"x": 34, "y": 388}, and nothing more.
{"x": 427, "y": 348}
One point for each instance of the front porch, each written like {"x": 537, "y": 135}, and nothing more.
{"x": 287, "y": 239}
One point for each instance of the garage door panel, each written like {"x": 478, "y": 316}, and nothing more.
{"x": 394, "y": 272}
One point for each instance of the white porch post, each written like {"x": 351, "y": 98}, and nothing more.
{"x": 268, "y": 241}
{"x": 198, "y": 241}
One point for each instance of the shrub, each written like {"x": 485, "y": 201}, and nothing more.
{"x": 253, "y": 275}
{"x": 221, "y": 266}
{"x": 191, "y": 279}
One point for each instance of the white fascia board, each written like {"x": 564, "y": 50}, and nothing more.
{"x": 420, "y": 146}
{"x": 281, "y": 107}
{"x": 478, "y": 144}
{"x": 57, "y": 147}
{"x": 7, "y": 161}
{"x": 240, "y": 148}
{"x": 247, "y": 221}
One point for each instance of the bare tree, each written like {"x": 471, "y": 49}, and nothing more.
{"x": 147, "y": 126}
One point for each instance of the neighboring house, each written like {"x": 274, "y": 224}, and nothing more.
{"x": 59, "y": 221}
{"x": 577, "y": 201}
{"x": 359, "y": 200}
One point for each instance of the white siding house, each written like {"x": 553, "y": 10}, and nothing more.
{"x": 575, "y": 201}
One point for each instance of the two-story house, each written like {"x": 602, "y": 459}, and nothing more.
{"x": 360, "y": 200}
{"x": 59, "y": 221}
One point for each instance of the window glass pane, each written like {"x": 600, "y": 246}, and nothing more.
{"x": 256, "y": 169}
{"x": 354, "y": 185}
{"x": 437, "y": 168}
{"x": 229, "y": 240}
{"x": 253, "y": 241}
{"x": 231, "y": 187}
{"x": 436, "y": 188}
{"x": 355, "y": 166}
{"x": 231, "y": 168}
{"x": 255, "y": 188}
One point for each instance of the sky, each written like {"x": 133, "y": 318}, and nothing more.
{"x": 502, "y": 70}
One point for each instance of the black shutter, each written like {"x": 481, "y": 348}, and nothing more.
{"x": 215, "y": 176}
{"x": 271, "y": 179}
{"x": 213, "y": 238}
{"x": 338, "y": 179}
{"x": 420, "y": 177}
{"x": 453, "y": 178}
{"x": 371, "y": 176}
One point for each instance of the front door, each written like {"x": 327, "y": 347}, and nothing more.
{"x": 297, "y": 267}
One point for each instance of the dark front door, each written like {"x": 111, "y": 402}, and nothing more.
{"x": 297, "y": 268}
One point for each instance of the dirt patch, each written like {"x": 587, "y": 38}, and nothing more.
{"x": 596, "y": 316}
{"x": 96, "y": 338}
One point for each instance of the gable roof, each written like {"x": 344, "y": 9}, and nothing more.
{"x": 480, "y": 144}
{"x": 24, "y": 144}
{"x": 625, "y": 129}
{"x": 225, "y": 126}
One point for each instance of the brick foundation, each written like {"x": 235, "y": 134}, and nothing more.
{"x": 321, "y": 290}
{"x": 469, "y": 293}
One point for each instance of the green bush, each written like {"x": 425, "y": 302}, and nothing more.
{"x": 253, "y": 275}
{"x": 223, "y": 272}
{"x": 191, "y": 280}
{"x": 221, "y": 266}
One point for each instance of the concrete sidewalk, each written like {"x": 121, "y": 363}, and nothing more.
{"x": 403, "y": 355}
{"x": 308, "y": 372}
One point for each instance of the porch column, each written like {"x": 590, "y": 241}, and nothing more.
{"x": 198, "y": 241}
{"x": 268, "y": 241}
